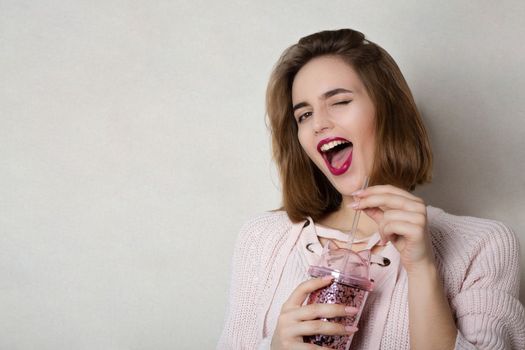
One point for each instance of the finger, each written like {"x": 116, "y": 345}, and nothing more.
{"x": 379, "y": 215}
{"x": 402, "y": 228}
{"x": 388, "y": 201}
{"x": 386, "y": 236}
{"x": 380, "y": 189}
{"x": 419, "y": 219}
{"x": 314, "y": 311}
{"x": 375, "y": 214}
{"x": 323, "y": 328}
{"x": 300, "y": 293}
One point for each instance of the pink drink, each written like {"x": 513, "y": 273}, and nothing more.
{"x": 350, "y": 286}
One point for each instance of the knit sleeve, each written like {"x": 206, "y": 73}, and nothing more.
{"x": 240, "y": 330}
{"x": 265, "y": 344}
{"x": 489, "y": 314}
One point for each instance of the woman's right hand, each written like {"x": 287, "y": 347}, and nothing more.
{"x": 297, "y": 320}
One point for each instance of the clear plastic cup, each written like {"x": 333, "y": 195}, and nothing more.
{"x": 350, "y": 286}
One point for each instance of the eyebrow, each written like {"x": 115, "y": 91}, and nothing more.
{"x": 325, "y": 96}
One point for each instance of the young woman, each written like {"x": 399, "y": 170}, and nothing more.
{"x": 340, "y": 110}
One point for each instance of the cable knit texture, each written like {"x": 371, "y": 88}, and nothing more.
{"x": 478, "y": 261}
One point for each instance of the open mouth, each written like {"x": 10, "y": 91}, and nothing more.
{"x": 337, "y": 153}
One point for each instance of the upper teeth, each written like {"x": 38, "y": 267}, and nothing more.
{"x": 330, "y": 145}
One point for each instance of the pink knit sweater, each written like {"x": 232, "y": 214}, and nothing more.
{"x": 478, "y": 261}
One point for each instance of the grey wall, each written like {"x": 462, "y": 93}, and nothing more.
{"x": 133, "y": 147}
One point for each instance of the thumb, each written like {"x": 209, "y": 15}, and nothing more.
{"x": 375, "y": 214}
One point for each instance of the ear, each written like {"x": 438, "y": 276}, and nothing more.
{"x": 330, "y": 245}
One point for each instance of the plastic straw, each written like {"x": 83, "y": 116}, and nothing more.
{"x": 351, "y": 236}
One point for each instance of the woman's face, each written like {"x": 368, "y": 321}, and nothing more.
{"x": 335, "y": 119}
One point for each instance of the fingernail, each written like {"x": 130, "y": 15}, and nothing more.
{"x": 351, "y": 310}
{"x": 351, "y": 329}
{"x": 354, "y": 205}
{"x": 328, "y": 277}
{"x": 357, "y": 193}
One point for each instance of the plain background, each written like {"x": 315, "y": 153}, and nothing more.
{"x": 133, "y": 146}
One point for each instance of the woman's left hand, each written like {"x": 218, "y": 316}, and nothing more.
{"x": 401, "y": 219}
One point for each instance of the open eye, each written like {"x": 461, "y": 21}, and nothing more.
{"x": 303, "y": 116}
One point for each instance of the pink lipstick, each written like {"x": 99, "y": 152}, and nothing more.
{"x": 337, "y": 154}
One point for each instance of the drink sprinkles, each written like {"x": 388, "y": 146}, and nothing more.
{"x": 337, "y": 293}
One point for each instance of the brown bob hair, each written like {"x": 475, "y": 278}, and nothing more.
{"x": 403, "y": 156}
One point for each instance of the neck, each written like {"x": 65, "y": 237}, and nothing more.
{"x": 342, "y": 220}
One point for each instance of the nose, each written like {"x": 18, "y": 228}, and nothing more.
{"x": 322, "y": 121}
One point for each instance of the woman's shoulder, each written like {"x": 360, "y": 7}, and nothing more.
{"x": 264, "y": 220}
{"x": 468, "y": 231}
{"x": 264, "y": 228}
{"x": 470, "y": 248}
{"x": 464, "y": 244}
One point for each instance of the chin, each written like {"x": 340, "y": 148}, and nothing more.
{"x": 346, "y": 183}
{"x": 345, "y": 188}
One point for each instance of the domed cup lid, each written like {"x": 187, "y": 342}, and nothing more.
{"x": 347, "y": 266}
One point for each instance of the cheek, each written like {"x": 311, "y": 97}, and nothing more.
{"x": 370, "y": 148}
{"x": 307, "y": 145}
{"x": 303, "y": 141}
{"x": 369, "y": 134}
{"x": 367, "y": 140}
{"x": 370, "y": 141}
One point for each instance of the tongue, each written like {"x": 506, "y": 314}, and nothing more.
{"x": 340, "y": 157}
